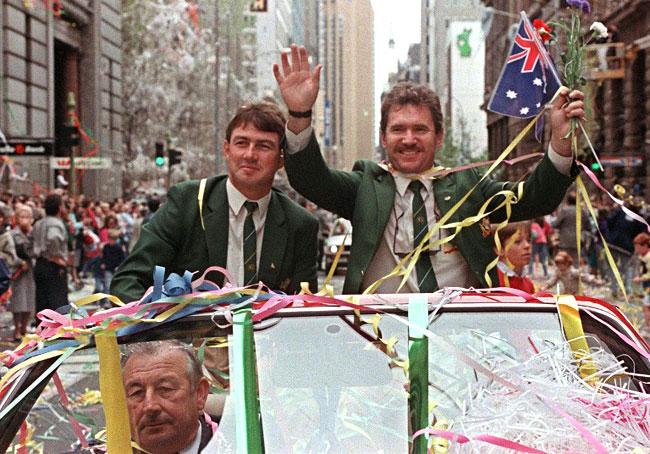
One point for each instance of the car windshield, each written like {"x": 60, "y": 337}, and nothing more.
{"x": 341, "y": 381}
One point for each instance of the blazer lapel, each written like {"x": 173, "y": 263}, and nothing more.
{"x": 445, "y": 196}
{"x": 216, "y": 222}
{"x": 274, "y": 243}
{"x": 385, "y": 192}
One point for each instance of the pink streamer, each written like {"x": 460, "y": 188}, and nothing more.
{"x": 66, "y": 404}
{"x": 616, "y": 200}
{"x": 491, "y": 439}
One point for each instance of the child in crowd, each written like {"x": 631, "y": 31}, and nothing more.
{"x": 568, "y": 276}
{"x": 514, "y": 256}
{"x": 642, "y": 249}
{"x": 112, "y": 256}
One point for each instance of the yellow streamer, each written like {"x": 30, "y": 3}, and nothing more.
{"x": 575, "y": 335}
{"x": 610, "y": 259}
{"x": 335, "y": 263}
{"x": 579, "y": 240}
{"x": 112, "y": 389}
{"x": 28, "y": 362}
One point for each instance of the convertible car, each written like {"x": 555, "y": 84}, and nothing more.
{"x": 452, "y": 371}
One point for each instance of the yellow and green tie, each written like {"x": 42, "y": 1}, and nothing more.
{"x": 250, "y": 244}
{"x": 426, "y": 278}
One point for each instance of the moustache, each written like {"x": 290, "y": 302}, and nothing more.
{"x": 153, "y": 421}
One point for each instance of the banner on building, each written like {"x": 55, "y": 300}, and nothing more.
{"x": 85, "y": 163}
{"x": 621, "y": 161}
{"x": 26, "y": 148}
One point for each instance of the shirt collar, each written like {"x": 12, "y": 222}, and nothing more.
{"x": 194, "y": 447}
{"x": 505, "y": 269}
{"x": 402, "y": 180}
{"x": 236, "y": 200}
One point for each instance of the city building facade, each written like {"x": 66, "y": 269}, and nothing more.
{"x": 345, "y": 109}
{"x": 282, "y": 23}
{"x": 452, "y": 63}
{"x": 61, "y": 65}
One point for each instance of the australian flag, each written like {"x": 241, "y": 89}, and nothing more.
{"x": 529, "y": 79}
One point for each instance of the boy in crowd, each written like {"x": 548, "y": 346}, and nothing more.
{"x": 514, "y": 256}
{"x": 568, "y": 275}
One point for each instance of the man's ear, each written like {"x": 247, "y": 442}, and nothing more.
{"x": 382, "y": 139}
{"x": 202, "y": 389}
{"x": 439, "y": 138}
{"x": 226, "y": 148}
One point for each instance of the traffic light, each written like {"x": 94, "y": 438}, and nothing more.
{"x": 174, "y": 156}
{"x": 595, "y": 166}
{"x": 160, "y": 154}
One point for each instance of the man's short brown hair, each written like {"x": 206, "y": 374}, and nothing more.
{"x": 563, "y": 257}
{"x": 642, "y": 239}
{"x": 512, "y": 228}
{"x": 264, "y": 116}
{"x": 405, "y": 93}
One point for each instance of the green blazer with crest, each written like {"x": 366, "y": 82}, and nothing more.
{"x": 175, "y": 239}
{"x": 366, "y": 196}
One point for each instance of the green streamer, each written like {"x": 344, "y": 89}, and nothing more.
{"x": 418, "y": 370}
{"x": 248, "y": 428}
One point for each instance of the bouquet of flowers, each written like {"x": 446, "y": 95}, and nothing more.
{"x": 572, "y": 67}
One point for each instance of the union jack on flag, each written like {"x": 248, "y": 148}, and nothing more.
{"x": 528, "y": 79}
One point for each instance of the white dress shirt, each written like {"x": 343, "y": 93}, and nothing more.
{"x": 236, "y": 216}
{"x": 450, "y": 267}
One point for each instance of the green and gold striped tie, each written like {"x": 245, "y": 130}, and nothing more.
{"x": 426, "y": 278}
{"x": 250, "y": 244}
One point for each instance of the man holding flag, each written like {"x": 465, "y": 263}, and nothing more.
{"x": 393, "y": 204}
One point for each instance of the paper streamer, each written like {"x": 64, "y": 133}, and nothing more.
{"x": 118, "y": 432}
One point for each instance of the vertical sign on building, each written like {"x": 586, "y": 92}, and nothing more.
{"x": 328, "y": 123}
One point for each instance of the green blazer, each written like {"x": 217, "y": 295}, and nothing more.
{"x": 175, "y": 239}
{"x": 366, "y": 196}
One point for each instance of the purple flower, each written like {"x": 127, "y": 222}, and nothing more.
{"x": 581, "y": 4}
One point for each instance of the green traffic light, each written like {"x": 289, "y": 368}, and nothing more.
{"x": 160, "y": 161}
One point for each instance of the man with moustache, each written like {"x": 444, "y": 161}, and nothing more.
{"x": 236, "y": 221}
{"x": 392, "y": 205}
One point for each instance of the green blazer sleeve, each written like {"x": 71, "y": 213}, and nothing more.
{"x": 331, "y": 189}
{"x": 158, "y": 244}
{"x": 543, "y": 191}
{"x": 306, "y": 255}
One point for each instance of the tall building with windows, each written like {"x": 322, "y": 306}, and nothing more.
{"x": 50, "y": 56}
{"x": 345, "y": 110}
{"x": 281, "y": 24}
{"x": 452, "y": 57}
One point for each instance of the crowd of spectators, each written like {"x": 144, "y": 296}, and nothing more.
{"x": 98, "y": 237}
{"x": 101, "y": 233}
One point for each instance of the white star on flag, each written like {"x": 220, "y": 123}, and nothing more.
{"x": 524, "y": 110}
{"x": 511, "y": 94}
{"x": 537, "y": 81}
{"x": 537, "y": 105}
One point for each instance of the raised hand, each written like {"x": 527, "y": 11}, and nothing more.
{"x": 567, "y": 106}
{"x": 298, "y": 84}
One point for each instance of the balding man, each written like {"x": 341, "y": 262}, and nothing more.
{"x": 165, "y": 394}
